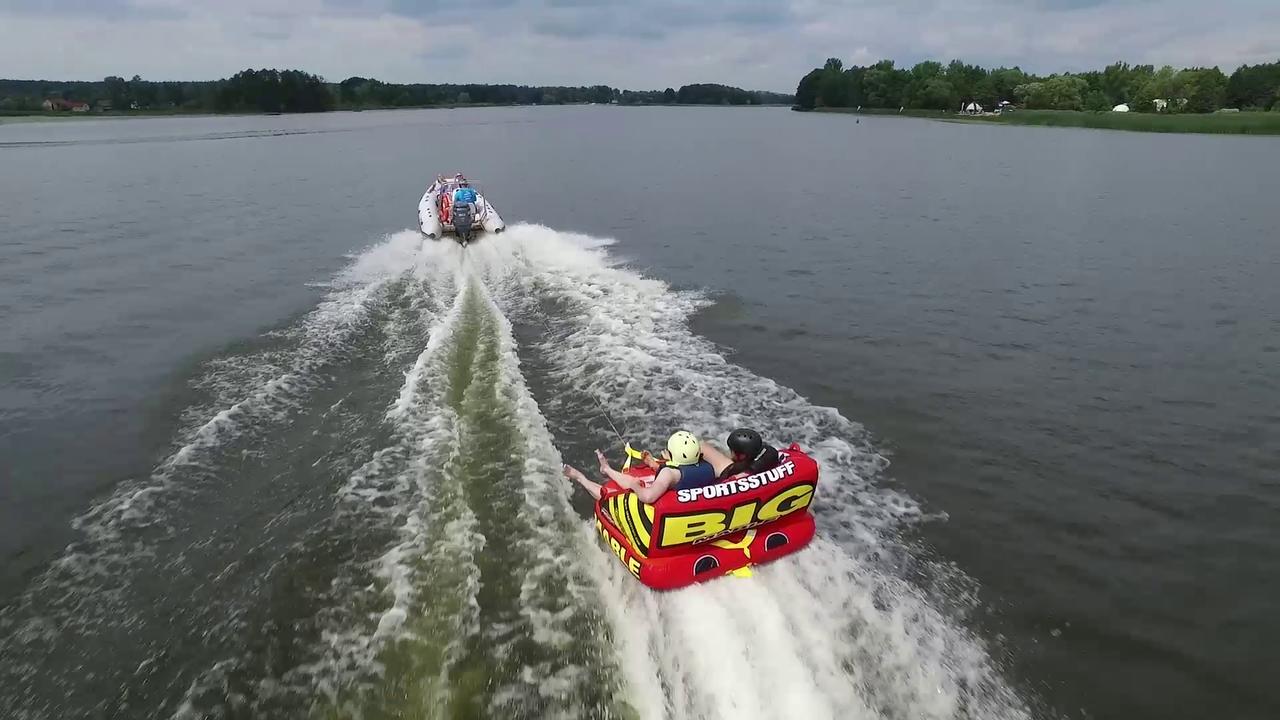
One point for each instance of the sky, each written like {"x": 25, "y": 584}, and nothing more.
{"x": 635, "y": 44}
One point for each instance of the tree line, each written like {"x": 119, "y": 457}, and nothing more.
{"x": 355, "y": 92}
{"x": 1144, "y": 88}
{"x": 246, "y": 91}
{"x": 296, "y": 91}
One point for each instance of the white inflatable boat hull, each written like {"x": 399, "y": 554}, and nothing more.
{"x": 431, "y": 224}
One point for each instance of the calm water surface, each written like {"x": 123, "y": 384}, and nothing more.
{"x": 240, "y": 411}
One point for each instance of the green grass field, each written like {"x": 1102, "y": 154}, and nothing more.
{"x": 1244, "y": 123}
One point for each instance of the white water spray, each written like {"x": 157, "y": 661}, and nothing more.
{"x": 828, "y": 632}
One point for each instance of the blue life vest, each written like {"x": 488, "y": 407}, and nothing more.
{"x": 464, "y": 195}
{"x": 699, "y": 474}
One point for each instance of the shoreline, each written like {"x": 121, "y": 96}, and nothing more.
{"x": 36, "y": 116}
{"x": 45, "y": 116}
{"x": 1242, "y": 123}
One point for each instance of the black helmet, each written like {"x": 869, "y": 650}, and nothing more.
{"x": 745, "y": 441}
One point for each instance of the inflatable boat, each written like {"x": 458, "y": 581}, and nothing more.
{"x": 696, "y": 534}
{"x": 436, "y": 216}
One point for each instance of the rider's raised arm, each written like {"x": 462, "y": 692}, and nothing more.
{"x": 665, "y": 480}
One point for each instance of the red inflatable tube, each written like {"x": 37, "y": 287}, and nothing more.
{"x": 693, "y": 535}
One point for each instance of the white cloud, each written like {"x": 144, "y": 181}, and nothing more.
{"x": 629, "y": 43}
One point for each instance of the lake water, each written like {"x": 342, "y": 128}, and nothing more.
{"x": 265, "y": 453}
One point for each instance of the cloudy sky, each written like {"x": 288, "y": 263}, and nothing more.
{"x": 758, "y": 44}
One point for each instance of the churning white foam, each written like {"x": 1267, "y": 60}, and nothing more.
{"x": 320, "y": 336}
{"x": 829, "y": 632}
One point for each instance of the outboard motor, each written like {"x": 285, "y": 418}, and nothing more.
{"x": 462, "y": 220}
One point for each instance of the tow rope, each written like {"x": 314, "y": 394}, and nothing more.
{"x": 603, "y": 413}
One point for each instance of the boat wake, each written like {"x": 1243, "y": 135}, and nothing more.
{"x": 363, "y": 516}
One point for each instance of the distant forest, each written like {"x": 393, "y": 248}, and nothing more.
{"x": 934, "y": 86}
{"x": 297, "y": 91}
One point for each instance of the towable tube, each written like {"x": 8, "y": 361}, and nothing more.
{"x": 697, "y": 534}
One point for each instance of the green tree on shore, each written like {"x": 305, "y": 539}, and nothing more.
{"x": 1206, "y": 89}
{"x": 807, "y": 91}
{"x": 929, "y": 87}
{"x": 117, "y": 91}
{"x": 1062, "y": 92}
{"x": 1256, "y": 86}
{"x": 274, "y": 91}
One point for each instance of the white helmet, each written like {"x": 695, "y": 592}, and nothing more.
{"x": 684, "y": 448}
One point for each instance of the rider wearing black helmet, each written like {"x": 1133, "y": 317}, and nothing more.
{"x": 750, "y": 454}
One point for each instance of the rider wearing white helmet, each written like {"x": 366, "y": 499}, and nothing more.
{"x": 681, "y": 466}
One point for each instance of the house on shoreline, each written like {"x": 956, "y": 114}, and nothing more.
{"x": 61, "y": 105}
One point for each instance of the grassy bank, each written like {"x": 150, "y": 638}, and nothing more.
{"x": 1244, "y": 123}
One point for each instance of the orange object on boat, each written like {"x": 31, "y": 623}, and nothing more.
{"x": 446, "y": 206}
